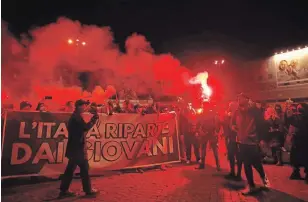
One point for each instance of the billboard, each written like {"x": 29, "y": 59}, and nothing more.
{"x": 291, "y": 67}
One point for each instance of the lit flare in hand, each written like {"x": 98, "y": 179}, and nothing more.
{"x": 201, "y": 78}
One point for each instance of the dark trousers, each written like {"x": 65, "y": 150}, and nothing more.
{"x": 213, "y": 142}
{"x": 69, "y": 172}
{"x": 299, "y": 158}
{"x": 278, "y": 139}
{"x": 277, "y": 154}
{"x": 191, "y": 140}
{"x": 251, "y": 156}
{"x": 234, "y": 154}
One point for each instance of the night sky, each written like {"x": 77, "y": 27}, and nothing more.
{"x": 271, "y": 24}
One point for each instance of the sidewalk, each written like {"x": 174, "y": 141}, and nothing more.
{"x": 179, "y": 183}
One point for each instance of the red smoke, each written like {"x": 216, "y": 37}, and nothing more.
{"x": 47, "y": 65}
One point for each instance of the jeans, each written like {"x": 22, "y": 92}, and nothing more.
{"x": 251, "y": 155}
{"x": 69, "y": 172}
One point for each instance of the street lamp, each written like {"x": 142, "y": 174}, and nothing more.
{"x": 76, "y": 42}
{"x": 219, "y": 63}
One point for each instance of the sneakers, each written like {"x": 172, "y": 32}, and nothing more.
{"x": 66, "y": 194}
{"x": 266, "y": 183}
{"x": 93, "y": 192}
{"x": 250, "y": 190}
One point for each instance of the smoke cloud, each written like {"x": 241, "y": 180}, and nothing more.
{"x": 50, "y": 63}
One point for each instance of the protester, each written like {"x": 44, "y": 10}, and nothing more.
{"x": 139, "y": 110}
{"x": 152, "y": 109}
{"x": 117, "y": 107}
{"x": 128, "y": 107}
{"x": 109, "y": 108}
{"x": 181, "y": 132}
{"x": 208, "y": 132}
{"x": 69, "y": 106}
{"x": 189, "y": 129}
{"x": 274, "y": 118}
{"x": 246, "y": 122}
{"x": 76, "y": 151}
{"x": 299, "y": 149}
{"x": 41, "y": 107}
{"x": 232, "y": 146}
{"x": 25, "y": 106}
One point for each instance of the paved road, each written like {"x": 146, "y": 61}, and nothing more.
{"x": 179, "y": 183}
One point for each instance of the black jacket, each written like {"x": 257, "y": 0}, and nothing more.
{"x": 208, "y": 123}
{"x": 77, "y": 129}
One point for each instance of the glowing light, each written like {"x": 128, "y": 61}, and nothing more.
{"x": 299, "y": 48}
{"x": 223, "y": 61}
{"x": 292, "y": 54}
{"x": 83, "y": 43}
{"x": 199, "y": 111}
{"x": 216, "y": 62}
{"x": 70, "y": 41}
{"x": 201, "y": 79}
{"x": 77, "y": 39}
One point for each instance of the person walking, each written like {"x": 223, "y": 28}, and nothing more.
{"x": 76, "y": 151}
{"x": 247, "y": 123}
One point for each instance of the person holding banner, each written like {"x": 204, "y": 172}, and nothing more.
{"x": 76, "y": 151}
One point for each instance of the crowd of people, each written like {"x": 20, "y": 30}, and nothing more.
{"x": 110, "y": 107}
{"x": 248, "y": 129}
{"x": 254, "y": 133}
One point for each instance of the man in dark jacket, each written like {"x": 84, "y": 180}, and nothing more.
{"x": 209, "y": 128}
{"x": 188, "y": 125}
{"x": 76, "y": 151}
{"x": 247, "y": 123}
